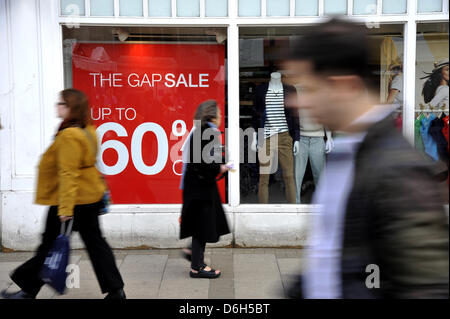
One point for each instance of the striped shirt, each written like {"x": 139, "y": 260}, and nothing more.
{"x": 275, "y": 117}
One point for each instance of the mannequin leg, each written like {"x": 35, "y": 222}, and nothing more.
{"x": 286, "y": 160}
{"x": 317, "y": 157}
{"x": 265, "y": 158}
{"x": 301, "y": 160}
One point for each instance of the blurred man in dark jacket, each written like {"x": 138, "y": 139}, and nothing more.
{"x": 383, "y": 231}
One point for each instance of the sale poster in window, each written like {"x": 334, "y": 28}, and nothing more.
{"x": 143, "y": 98}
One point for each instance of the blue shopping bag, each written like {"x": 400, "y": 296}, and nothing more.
{"x": 53, "y": 272}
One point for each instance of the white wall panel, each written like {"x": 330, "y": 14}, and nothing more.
{"x": 26, "y": 81}
{"x": 159, "y": 228}
{"x": 5, "y": 99}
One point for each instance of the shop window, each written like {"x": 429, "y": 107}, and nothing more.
{"x": 72, "y": 7}
{"x": 188, "y": 8}
{"x": 159, "y": 8}
{"x": 144, "y": 85}
{"x": 306, "y": 8}
{"x": 102, "y": 7}
{"x": 131, "y": 8}
{"x": 249, "y": 8}
{"x": 293, "y": 177}
{"x": 429, "y": 6}
{"x": 335, "y": 7}
{"x": 394, "y": 6}
{"x": 364, "y": 7}
{"x": 277, "y": 7}
{"x": 432, "y": 96}
{"x": 216, "y": 8}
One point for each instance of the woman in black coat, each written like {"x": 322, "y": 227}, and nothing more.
{"x": 202, "y": 214}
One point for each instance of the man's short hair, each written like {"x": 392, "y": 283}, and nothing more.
{"x": 337, "y": 47}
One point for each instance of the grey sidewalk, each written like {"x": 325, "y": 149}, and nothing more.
{"x": 246, "y": 273}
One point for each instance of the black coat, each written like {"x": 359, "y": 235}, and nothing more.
{"x": 394, "y": 219}
{"x": 202, "y": 214}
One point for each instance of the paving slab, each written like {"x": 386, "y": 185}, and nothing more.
{"x": 5, "y": 269}
{"x": 164, "y": 273}
{"x": 142, "y": 275}
{"x": 176, "y": 282}
{"x": 289, "y": 266}
{"x": 145, "y": 264}
{"x": 256, "y": 276}
{"x": 88, "y": 289}
{"x": 222, "y": 287}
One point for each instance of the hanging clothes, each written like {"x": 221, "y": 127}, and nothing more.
{"x": 435, "y": 131}
{"x": 399, "y": 122}
{"x": 418, "y": 142}
{"x": 445, "y": 129}
{"x": 445, "y": 133}
{"x": 428, "y": 141}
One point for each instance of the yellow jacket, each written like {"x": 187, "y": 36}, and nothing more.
{"x": 67, "y": 173}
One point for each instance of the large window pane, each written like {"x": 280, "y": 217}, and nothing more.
{"x": 102, "y": 7}
{"x": 277, "y": 7}
{"x": 72, "y": 7}
{"x": 293, "y": 174}
{"x": 364, "y": 7}
{"x": 216, "y": 8}
{"x": 144, "y": 85}
{"x": 188, "y": 8}
{"x": 394, "y": 6}
{"x": 432, "y": 96}
{"x": 306, "y": 8}
{"x": 131, "y": 8}
{"x": 335, "y": 7}
{"x": 159, "y": 8}
{"x": 249, "y": 8}
{"x": 429, "y": 5}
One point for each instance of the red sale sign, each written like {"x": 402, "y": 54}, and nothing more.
{"x": 143, "y": 98}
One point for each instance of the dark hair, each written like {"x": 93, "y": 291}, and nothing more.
{"x": 336, "y": 47}
{"x": 78, "y": 105}
{"x": 206, "y": 111}
{"x": 431, "y": 84}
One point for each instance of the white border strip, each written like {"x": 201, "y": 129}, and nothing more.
{"x": 145, "y": 8}
{"x": 116, "y": 8}
{"x": 292, "y": 8}
{"x": 202, "y": 8}
{"x": 173, "y": 5}
{"x": 321, "y": 7}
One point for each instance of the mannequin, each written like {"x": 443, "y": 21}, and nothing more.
{"x": 276, "y": 85}
{"x": 312, "y": 147}
{"x": 281, "y": 135}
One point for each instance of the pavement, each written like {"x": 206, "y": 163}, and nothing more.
{"x": 256, "y": 273}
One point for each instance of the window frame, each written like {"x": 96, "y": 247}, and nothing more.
{"x": 232, "y": 22}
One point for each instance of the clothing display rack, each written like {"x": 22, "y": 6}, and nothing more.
{"x": 431, "y": 111}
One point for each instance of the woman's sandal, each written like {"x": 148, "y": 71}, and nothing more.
{"x": 202, "y": 273}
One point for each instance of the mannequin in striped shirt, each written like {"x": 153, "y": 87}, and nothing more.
{"x": 280, "y": 138}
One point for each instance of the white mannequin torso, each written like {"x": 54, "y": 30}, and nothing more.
{"x": 275, "y": 82}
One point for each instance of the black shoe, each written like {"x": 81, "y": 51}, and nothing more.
{"x": 294, "y": 291}
{"x": 202, "y": 273}
{"x": 16, "y": 295}
{"x": 116, "y": 294}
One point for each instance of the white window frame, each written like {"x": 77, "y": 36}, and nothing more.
{"x": 232, "y": 23}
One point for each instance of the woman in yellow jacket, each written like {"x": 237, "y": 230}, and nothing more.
{"x": 70, "y": 184}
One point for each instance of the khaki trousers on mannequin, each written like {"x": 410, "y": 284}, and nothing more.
{"x": 276, "y": 149}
